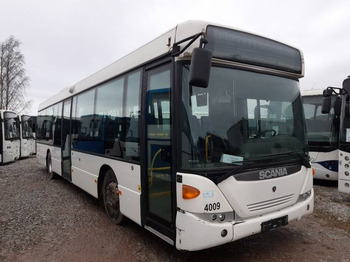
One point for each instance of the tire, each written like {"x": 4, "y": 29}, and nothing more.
{"x": 49, "y": 166}
{"x": 110, "y": 196}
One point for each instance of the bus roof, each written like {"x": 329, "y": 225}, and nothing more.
{"x": 158, "y": 47}
{"x": 6, "y": 110}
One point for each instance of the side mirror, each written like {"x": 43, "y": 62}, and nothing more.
{"x": 337, "y": 106}
{"x": 326, "y": 105}
{"x": 200, "y": 67}
{"x": 346, "y": 84}
{"x": 327, "y": 92}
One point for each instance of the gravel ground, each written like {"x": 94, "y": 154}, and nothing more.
{"x": 52, "y": 220}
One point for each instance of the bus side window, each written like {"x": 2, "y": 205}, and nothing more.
{"x": 108, "y": 127}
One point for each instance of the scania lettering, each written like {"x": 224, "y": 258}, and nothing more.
{"x": 272, "y": 173}
{"x": 174, "y": 135}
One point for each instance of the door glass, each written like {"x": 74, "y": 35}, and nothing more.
{"x": 66, "y": 160}
{"x": 158, "y": 143}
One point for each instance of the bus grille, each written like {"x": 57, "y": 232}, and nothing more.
{"x": 270, "y": 203}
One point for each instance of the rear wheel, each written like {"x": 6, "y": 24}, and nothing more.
{"x": 110, "y": 195}
{"x": 49, "y": 166}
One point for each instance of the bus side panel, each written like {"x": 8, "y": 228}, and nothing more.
{"x": 85, "y": 174}
{"x": 42, "y": 150}
{"x": 10, "y": 150}
{"x": 56, "y": 160}
{"x": 130, "y": 204}
{"x": 41, "y": 153}
{"x": 322, "y": 172}
{"x": 344, "y": 172}
{"x": 31, "y": 146}
{"x": 85, "y": 170}
{"x": 25, "y": 150}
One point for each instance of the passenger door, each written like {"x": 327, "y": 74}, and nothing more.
{"x": 66, "y": 140}
{"x": 158, "y": 185}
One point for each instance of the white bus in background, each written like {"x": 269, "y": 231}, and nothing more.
{"x": 322, "y": 135}
{"x": 33, "y": 122}
{"x": 10, "y": 137}
{"x": 27, "y": 147}
{"x": 342, "y": 107}
{"x": 198, "y": 136}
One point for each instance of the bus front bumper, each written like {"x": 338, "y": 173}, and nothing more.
{"x": 193, "y": 233}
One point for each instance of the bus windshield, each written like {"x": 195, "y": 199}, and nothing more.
{"x": 322, "y": 129}
{"x": 27, "y": 127}
{"x": 11, "y": 126}
{"x": 345, "y": 121}
{"x": 242, "y": 116}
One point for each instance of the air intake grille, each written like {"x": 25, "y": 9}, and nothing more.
{"x": 270, "y": 203}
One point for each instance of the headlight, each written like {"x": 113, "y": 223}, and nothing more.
{"x": 304, "y": 196}
{"x": 222, "y": 217}
{"x": 217, "y": 217}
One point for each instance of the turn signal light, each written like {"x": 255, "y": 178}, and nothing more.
{"x": 189, "y": 192}
{"x": 313, "y": 171}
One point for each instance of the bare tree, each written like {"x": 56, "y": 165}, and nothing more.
{"x": 13, "y": 79}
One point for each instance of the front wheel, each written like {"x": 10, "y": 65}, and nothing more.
{"x": 110, "y": 195}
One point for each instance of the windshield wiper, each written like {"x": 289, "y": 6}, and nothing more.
{"x": 305, "y": 161}
{"x": 233, "y": 171}
{"x": 270, "y": 156}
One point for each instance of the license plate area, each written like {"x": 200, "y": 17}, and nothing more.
{"x": 274, "y": 223}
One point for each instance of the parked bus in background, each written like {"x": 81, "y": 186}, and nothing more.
{"x": 27, "y": 147}
{"x": 198, "y": 136}
{"x": 322, "y": 135}
{"x": 10, "y": 137}
{"x": 342, "y": 108}
{"x": 32, "y": 123}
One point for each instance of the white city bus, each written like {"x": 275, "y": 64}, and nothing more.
{"x": 27, "y": 147}
{"x": 322, "y": 135}
{"x": 198, "y": 136}
{"x": 10, "y": 139}
{"x": 341, "y": 108}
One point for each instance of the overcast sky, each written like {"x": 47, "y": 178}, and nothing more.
{"x": 67, "y": 40}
